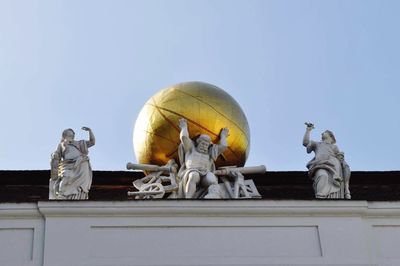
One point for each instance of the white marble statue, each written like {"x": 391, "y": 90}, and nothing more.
{"x": 71, "y": 173}
{"x": 197, "y": 164}
{"x": 197, "y": 176}
{"x": 328, "y": 169}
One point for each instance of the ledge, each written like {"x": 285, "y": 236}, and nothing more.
{"x": 19, "y": 210}
{"x": 196, "y": 208}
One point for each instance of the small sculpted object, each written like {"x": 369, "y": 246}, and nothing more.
{"x": 234, "y": 184}
{"x": 71, "y": 173}
{"x": 158, "y": 181}
{"x": 328, "y": 169}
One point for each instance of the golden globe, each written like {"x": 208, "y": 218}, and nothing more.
{"x": 207, "y": 110}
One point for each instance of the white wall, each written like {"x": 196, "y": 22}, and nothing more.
{"x": 249, "y": 232}
{"x": 21, "y": 235}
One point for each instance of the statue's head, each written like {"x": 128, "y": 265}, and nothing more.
{"x": 203, "y": 142}
{"x": 327, "y": 136}
{"x": 68, "y": 134}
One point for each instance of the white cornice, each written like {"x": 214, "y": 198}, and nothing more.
{"x": 195, "y": 208}
{"x": 229, "y": 208}
{"x": 19, "y": 210}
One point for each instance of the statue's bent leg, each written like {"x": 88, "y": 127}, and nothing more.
{"x": 191, "y": 185}
{"x": 209, "y": 179}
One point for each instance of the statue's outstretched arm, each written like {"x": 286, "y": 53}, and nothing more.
{"x": 184, "y": 135}
{"x": 92, "y": 139}
{"x": 306, "y": 138}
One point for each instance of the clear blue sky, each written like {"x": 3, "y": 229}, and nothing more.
{"x": 95, "y": 63}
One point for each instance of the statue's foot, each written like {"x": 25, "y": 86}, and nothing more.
{"x": 347, "y": 194}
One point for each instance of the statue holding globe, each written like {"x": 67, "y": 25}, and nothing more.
{"x": 197, "y": 163}
{"x": 203, "y": 151}
{"x": 207, "y": 108}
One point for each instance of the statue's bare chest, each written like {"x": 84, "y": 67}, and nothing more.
{"x": 196, "y": 159}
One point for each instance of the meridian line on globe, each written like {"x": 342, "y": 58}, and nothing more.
{"x": 193, "y": 122}
{"x": 171, "y": 153}
{"x": 209, "y": 105}
{"x": 150, "y": 125}
{"x": 155, "y": 134}
{"x": 188, "y": 119}
{"x": 166, "y": 118}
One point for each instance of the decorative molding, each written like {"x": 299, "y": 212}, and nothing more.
{"x": 19, "y": 210}
{"x": 225, "y": 208}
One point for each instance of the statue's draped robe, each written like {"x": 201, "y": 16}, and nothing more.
{"x": 332, "y": 184}
{"x": 74, "y": 172}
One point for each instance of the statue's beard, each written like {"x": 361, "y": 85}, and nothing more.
{"x": 202, "y": 149}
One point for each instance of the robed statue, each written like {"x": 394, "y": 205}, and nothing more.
{"x": 71, "y": 173}
{"x": 328, "y": 169}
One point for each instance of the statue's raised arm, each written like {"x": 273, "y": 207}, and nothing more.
{"x": 184, "y": 135}
{"x": 306, "y": 139}
{"x": 223, "y": 143}
{"x": 92, "y": 140}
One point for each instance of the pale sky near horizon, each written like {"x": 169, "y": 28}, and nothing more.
{"x": 95, "y": 63}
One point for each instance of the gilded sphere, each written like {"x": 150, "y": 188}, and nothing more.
{"x": 207, "y": 110}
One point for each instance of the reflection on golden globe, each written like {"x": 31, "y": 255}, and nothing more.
{"x": 207, "y": 110}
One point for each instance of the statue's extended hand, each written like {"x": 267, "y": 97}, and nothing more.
{"x": 182, "y": 123}
{"x": 225, "y": 132}
{"x": 310, "y": 126}
{"x": 86, "y": 129}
